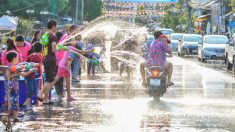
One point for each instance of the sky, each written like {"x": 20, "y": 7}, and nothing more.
{"x": 146, "y": 0}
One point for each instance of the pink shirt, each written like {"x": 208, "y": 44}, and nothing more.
{"x": 59, "y": 55}
{"x": 24, "y": 50}
{"x": 63, "y": 62}
{"x": 4, "y": 58}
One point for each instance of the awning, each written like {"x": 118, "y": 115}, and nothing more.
{"x": 210, "y": 3}
{"x": 203, "y": 18}
{"x": 8, "y": 23}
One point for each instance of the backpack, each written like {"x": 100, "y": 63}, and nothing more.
{"x": 45, "y": 43}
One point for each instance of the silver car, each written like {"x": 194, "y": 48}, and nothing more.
{"x": 189, "y": 44}
{"x": 212, "y": 47}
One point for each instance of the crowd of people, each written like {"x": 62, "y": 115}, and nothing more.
{"x": 55, "y": 64}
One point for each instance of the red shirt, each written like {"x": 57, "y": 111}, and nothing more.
{"x": 35, "y": 58}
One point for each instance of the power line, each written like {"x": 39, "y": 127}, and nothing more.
{"x": 23, "y": 7}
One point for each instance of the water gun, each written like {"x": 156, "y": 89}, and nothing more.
{"x": 23, "y": 67}
{"x": 61, "y": 47}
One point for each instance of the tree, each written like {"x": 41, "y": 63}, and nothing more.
{"x": 19, "y": 7}
{"x": 175, "y": 20}
{"x": 232, "y": 4}
{"x": 24, "y": 25}
{"x": 92, "y": 9}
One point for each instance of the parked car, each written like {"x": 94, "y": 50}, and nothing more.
{"x": 175, "y": 37}
{"x": 189, "y": 44}
{"x": 212, "y": 47}
{"x": 230, "y": 56}
{"x": 166, "y": 31}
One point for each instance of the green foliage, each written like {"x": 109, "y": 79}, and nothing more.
{"x": 232, "y": 4}
{"x": 24, "y": 25}
{"x": 174, "y": 20}
{"x": 92, "y": 8}
{"x": 18, "y": 7}
{"x": 140, "y": 7}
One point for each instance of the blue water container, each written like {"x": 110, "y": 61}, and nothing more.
{"x": 22, "y": 91}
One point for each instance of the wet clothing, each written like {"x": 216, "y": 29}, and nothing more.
{"x": 35, "y": 58}
{"x": 59, "y": 86}
{"x": 50, "y": 60}
{"x": 157, "y": 53}
{"x": 49, "y": 70}
{"x": 76, "y": 66}
{"x": 30, "y": 80}
{"x": 31, "y": 86}
{"x": 64, "y": 68}
{"x": 12, "y": 85}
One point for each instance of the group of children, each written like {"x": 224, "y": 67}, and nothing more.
{"x": 57, "y": 65}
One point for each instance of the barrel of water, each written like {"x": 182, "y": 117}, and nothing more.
{"x": 22, "y": 91}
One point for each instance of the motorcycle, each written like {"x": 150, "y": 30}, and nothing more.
{"x": 157, "y": 82}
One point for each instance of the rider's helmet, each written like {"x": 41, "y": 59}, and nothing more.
{"x": 157, "y": 34}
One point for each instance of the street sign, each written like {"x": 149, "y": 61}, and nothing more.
{"x": 231, "y": 24}
{"x": 146, "y": 0}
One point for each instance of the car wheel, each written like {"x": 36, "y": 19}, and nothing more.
{"x": 199, "y": 59}
{"x": 203, "y": 60}
{"x": 178, "y": 53}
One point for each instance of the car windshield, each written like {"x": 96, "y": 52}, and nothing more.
{"x": 216, "y": 40}
{"x": 176, "y": 37}
{"x": 167, "y": 32}
{"x": 174, "y": 42}
{"x": 193, "y": 38}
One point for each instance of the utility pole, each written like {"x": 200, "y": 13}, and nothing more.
{"x": 82, "y": 12}
{"x": 189, "y": 17}
{"x": 76, "y": 13}
{"x": 53, "y": 9}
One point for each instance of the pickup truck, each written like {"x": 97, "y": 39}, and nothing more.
{"x": 230, "y": 56}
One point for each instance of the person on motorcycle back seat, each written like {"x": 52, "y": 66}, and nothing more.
{"x": 158, "y": 52}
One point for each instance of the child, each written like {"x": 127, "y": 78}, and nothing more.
{"x": 76, "y": 70}
{"x": 12, "y": 85}
{"x": 35, "y": 57}
{"x": 92, "y": 56}
{"x": 64, "y": 69}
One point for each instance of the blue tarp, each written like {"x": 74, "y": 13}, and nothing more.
{"x": 146, "y": 0}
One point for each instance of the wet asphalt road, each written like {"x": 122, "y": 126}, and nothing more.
{"x": 202, "y": 99}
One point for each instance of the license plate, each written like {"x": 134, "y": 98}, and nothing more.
{"x": 155, "y": 82}
{"x": 194, "y": 51}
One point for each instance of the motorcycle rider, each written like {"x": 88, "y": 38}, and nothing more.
{"x": 158, "y": 51}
